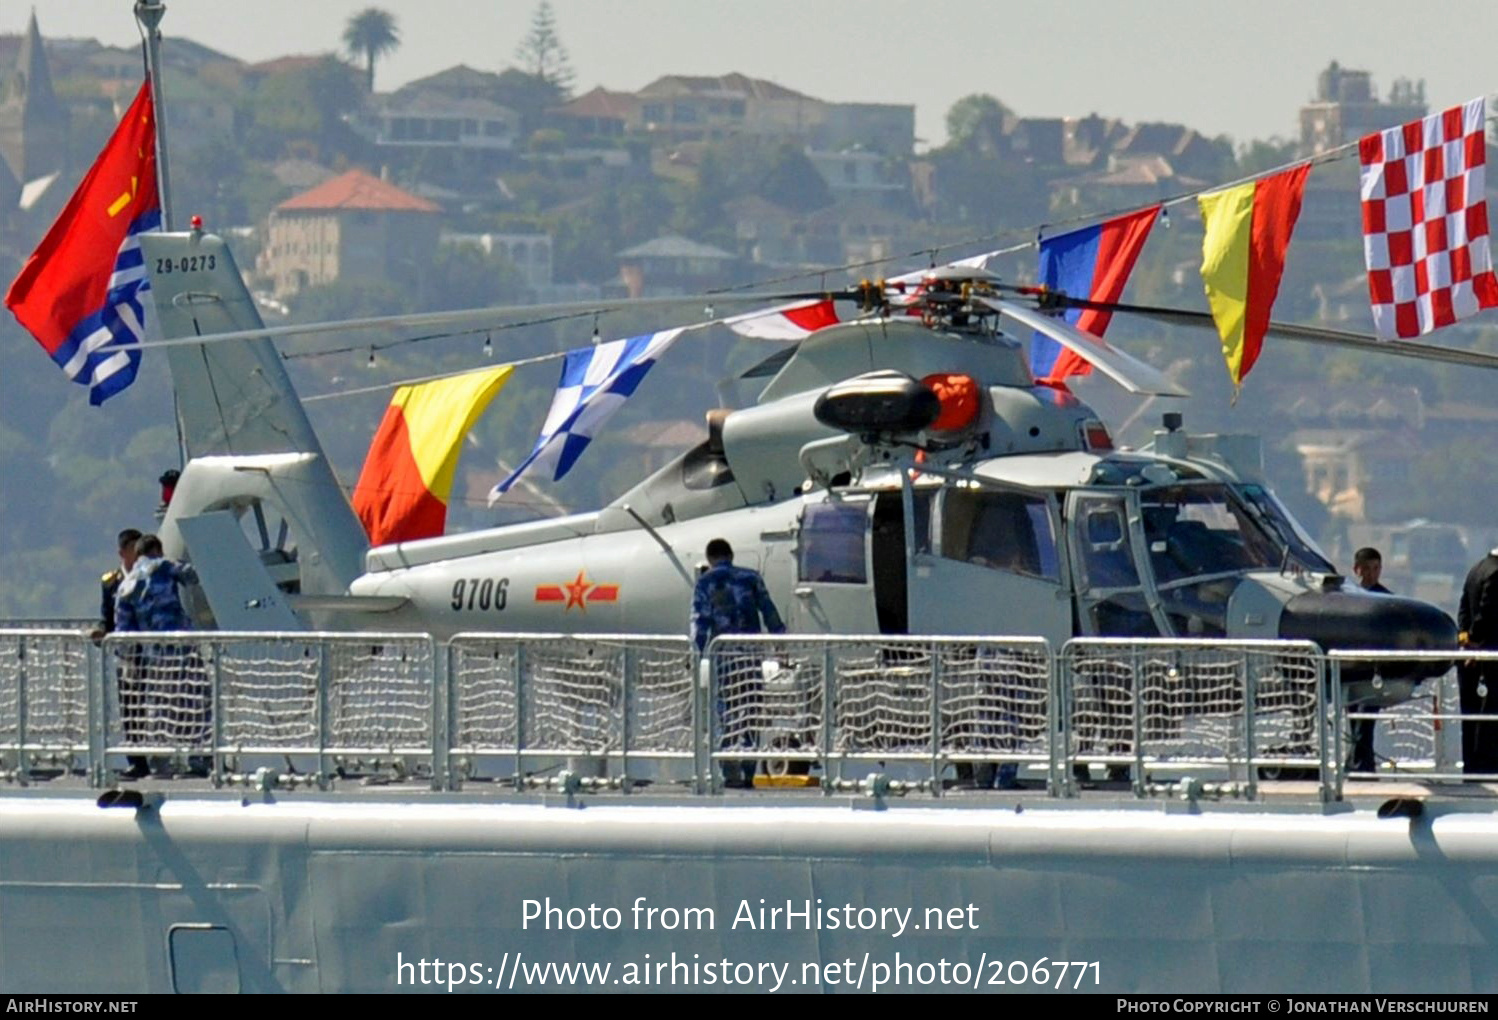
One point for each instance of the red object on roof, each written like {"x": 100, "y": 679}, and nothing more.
{"x": 357, "y": 190}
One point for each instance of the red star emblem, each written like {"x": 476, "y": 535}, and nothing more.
{"x": 576, "y": 591}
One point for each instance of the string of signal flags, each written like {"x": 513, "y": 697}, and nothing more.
{"x": 82, "y": 293}
{"x": 1425, "y": 238}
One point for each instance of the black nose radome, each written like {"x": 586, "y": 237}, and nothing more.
{"x": 1357, "y": 620}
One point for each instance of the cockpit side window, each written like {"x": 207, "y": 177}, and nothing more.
{"x": 1010, "y": 531}
{"x": 833, "y": 543}
{"x": 1106, "y": 559}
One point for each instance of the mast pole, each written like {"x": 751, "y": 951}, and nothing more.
{"x": 149, "y": 13}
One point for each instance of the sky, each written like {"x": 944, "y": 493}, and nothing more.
{"x": 1237, "y": 69}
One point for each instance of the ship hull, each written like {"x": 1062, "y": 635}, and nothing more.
{"x": 308, "y": 894}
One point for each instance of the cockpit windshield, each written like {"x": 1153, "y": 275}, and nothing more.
{"x": 1200, "y": 530}
{"x": 1279, "y": 520}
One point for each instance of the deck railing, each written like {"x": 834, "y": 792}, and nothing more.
{"x": 882, "y": 713}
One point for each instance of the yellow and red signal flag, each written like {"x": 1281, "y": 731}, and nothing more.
{"x": 403, "y": 490}
{"x": 1248, "y": 230}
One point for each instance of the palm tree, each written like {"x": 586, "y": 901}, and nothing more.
{"x": 371, "y": 34}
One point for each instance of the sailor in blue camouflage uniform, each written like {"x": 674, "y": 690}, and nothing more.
{"x": 734, "y": 600}
{"x": 149, "y": 600}
{"x": 730, "y": 599}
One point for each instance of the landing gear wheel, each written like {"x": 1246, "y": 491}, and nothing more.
{"x": 1288, "y": 774}
{"x": 782, "y": 767}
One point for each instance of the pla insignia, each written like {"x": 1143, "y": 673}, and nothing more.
{"x": 578, "y": 592}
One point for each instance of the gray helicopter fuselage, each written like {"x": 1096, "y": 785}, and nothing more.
{"x": 899, "y": 473}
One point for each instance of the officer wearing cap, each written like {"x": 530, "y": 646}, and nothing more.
{"x": 1367, "y": 567}
{"x": 130, "y": 709}
{"x": 109, "y": 584}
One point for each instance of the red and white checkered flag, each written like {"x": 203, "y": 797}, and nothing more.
{"x": 1425, "y": 222}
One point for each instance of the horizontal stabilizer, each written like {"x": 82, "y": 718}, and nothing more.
{"x": 1123, "y": 368}
{"x": 239, "y": 589}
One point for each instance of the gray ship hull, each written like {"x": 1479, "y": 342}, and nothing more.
{"x": 308, "y": 894}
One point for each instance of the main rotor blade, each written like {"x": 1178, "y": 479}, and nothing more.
{"x": 466, "y": 317}
{"x": 1120, "y": 366}
{"x": 1308, "y": 334}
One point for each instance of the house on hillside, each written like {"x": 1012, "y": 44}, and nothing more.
{"x": 856, "y": 173}
{"x": 887, "y": 128}
{"x": 427, "y": 119}
{"x": 1188, "y": 151}
{"x": 772, "y": 234}
{"x": 350, "y": 227}
{"x": 671, "y": 264}
{"x": 598, "y": 114}
{"x": 1357, "y": 445}
{"x": 1125, "y": 181}
{"x": 691, "y": 108}
{"x": 1347, "y": 107}
{"x": 529, "y": 253}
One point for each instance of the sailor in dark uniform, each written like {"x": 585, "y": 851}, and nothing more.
{"x": 109, "y": 586}
{"x": 1477, "y": 619}
{"x": 1367, "y": 567}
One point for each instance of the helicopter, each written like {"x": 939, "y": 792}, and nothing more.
{"x": 901, "y": 472}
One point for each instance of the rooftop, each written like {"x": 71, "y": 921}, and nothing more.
{"x": 734, "y": 84}
{"x": 357, "y": 190}
{"x": 673, "y": 246}
{"x": 600, "y": 103}
{"x": 435, "y": 103}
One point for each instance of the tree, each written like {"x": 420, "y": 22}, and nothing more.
{"x": 973, "y": 114}
{"x": 1259, "y": 156}
{"x": 371, "y": 34}
{"x": 306, "y": 104}
{"x": 790, "y": 180}
{"x": 542, "y": 53}
{"x": 527, "y": 94}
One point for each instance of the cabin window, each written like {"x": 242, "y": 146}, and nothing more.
{"x": 833, "y": 540}
{"x": 1106, "y": 559}
{"x": 1009, "y": 531}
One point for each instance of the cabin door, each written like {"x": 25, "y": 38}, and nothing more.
{"x": 992, "y": 567}
{"x": 1112, "y": 599}
{"x": 833, "y": 590}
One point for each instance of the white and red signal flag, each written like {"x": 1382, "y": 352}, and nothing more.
{"x": 1425, "y": 222}
{"x": 794, "y": 321}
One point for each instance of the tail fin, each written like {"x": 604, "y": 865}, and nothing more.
{"x": 232, "y": 398}
{"x": 236, "y": 406}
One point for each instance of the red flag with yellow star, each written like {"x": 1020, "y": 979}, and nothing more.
{"x": 82, "y": 293}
